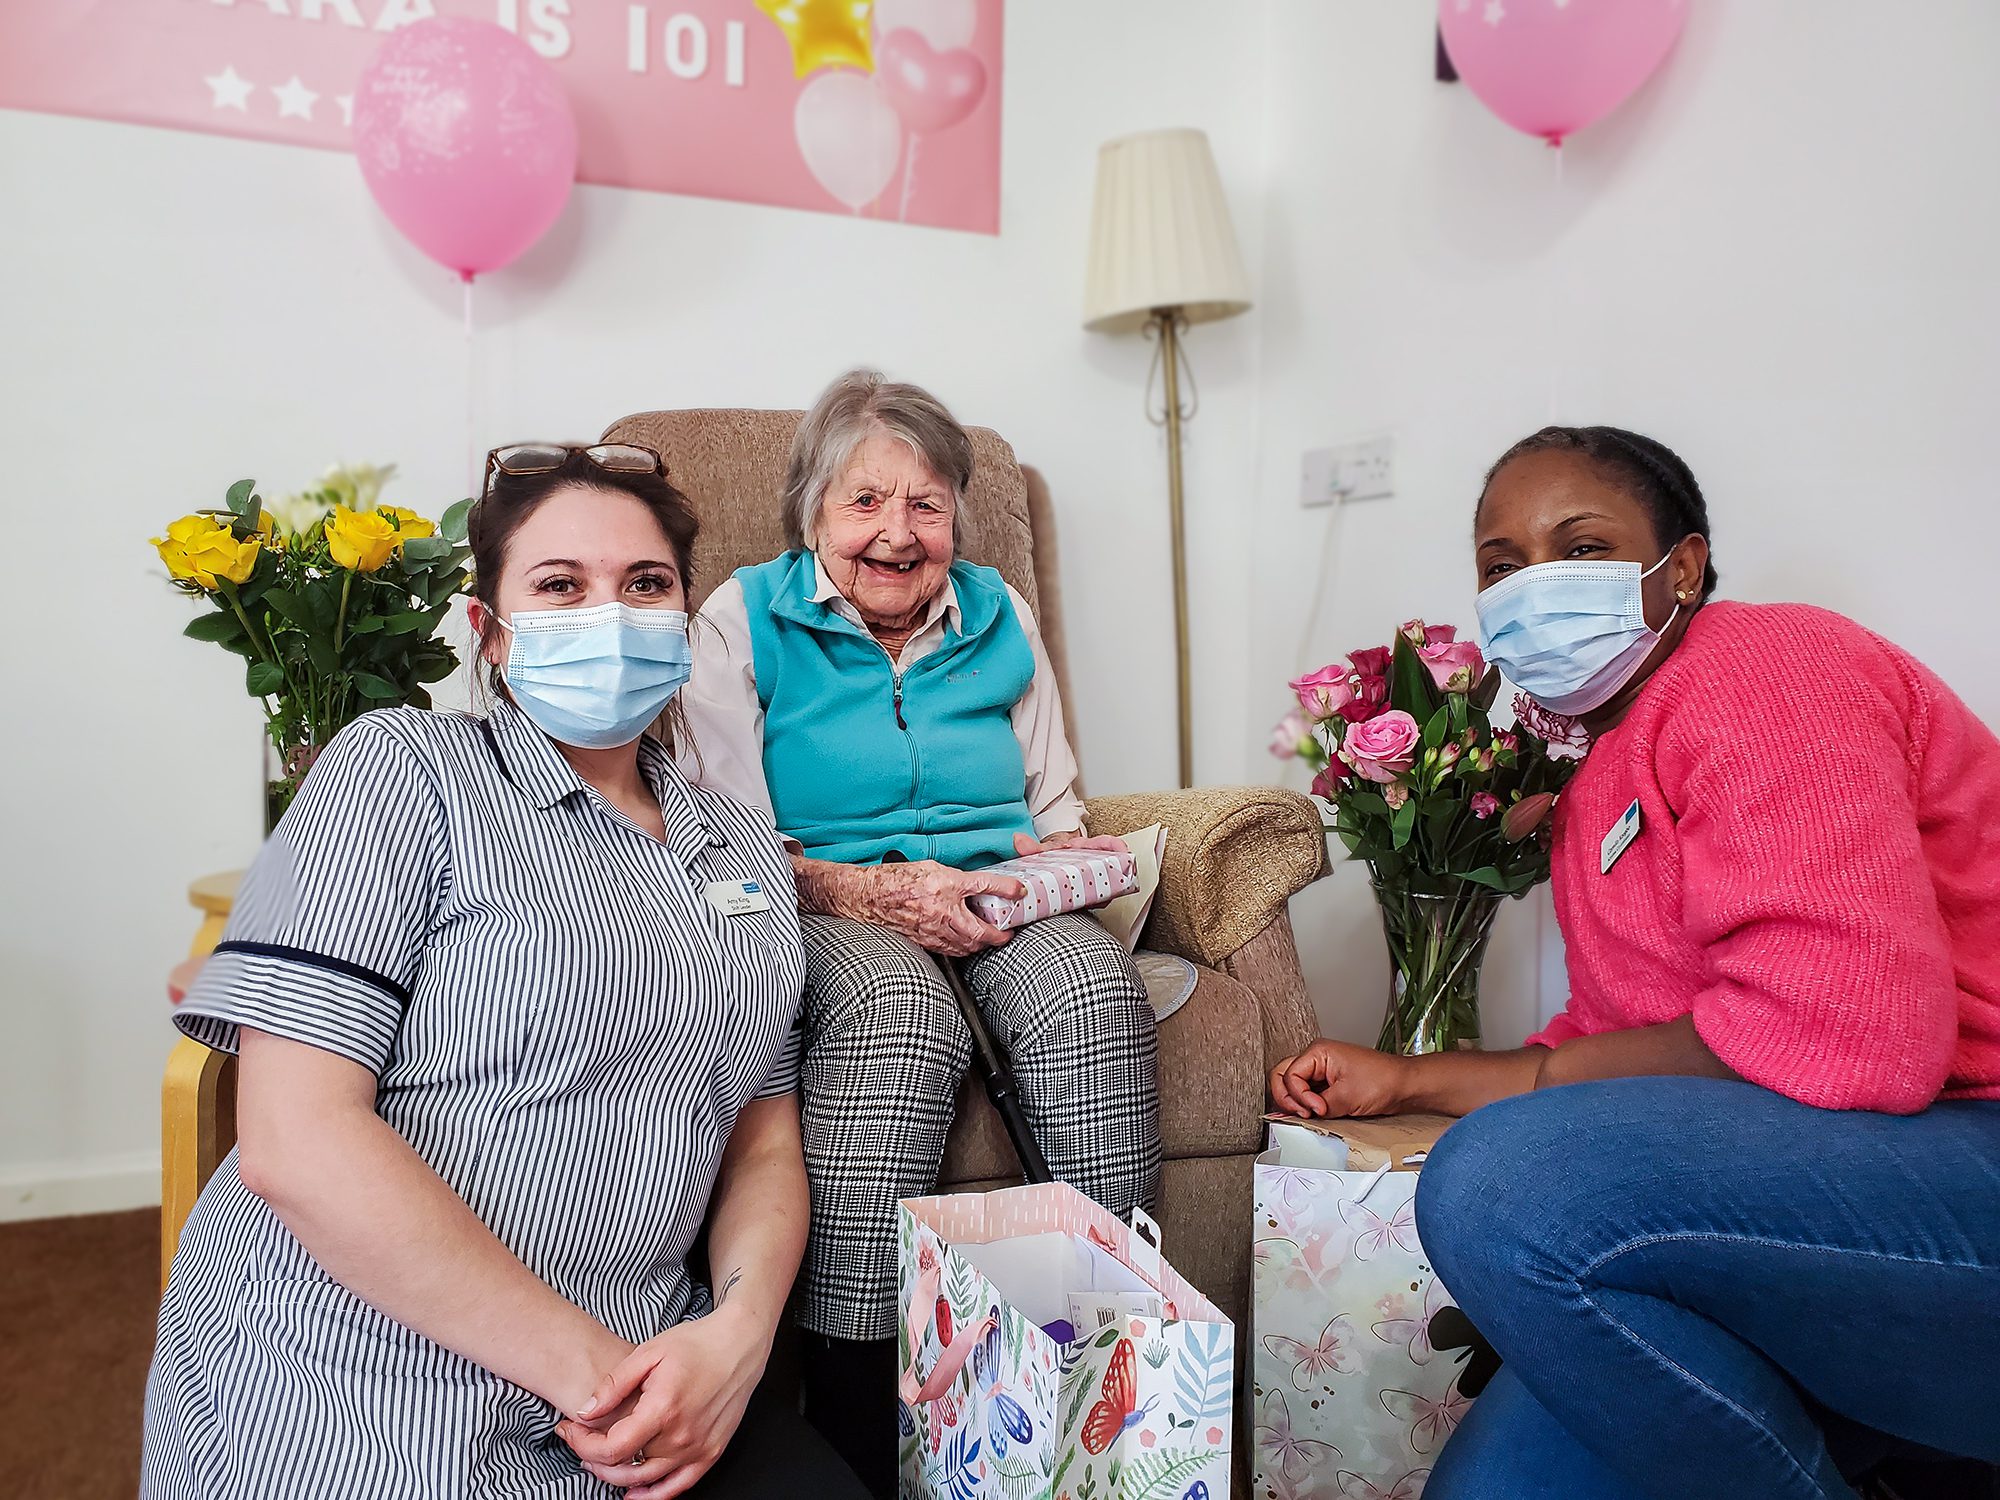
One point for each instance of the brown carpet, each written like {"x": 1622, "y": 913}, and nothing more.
{"x": 77, "y": 1301}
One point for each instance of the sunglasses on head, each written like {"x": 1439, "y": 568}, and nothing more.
{"x": 542, "y": 458}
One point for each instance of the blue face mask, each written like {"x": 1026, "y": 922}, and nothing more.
{"x": 1570, "y": 634}
{"x": 596, "y": 677}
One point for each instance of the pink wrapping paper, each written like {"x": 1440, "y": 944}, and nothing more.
{"x": 1059, "y": 880}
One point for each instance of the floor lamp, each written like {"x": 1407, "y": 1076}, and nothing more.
{"x": 1163, "y": 256}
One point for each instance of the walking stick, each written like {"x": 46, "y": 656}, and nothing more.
{"x": 998, "y": 1073}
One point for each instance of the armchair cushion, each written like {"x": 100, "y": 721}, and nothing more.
{"x": 1211, "y": 1088}
{"x": 1235, "y": 855}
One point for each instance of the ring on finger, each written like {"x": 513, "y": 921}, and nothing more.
{"x": 639, "y": 1458}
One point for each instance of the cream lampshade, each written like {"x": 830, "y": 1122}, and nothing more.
{"x": 1163, "y": 255}
{"x": 1160, "y": 235}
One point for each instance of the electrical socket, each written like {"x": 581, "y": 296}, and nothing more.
{"x": 1363, "y": 470}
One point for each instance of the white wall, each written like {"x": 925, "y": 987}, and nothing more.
{"x": 1779, "y": 258}
{"x": 183, "y": 310}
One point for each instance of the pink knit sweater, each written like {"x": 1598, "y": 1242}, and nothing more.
{"x": 1817, "y": 872}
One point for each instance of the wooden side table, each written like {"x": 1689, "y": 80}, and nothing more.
{"x": 198, "y": 1093}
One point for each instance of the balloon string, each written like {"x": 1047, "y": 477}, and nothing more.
{"x": 909, "y": 172}
{"x": 1556, "y": 298}
{"x": 472, "y": 464}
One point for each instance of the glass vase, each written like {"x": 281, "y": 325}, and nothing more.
{"x": 1436, "y": 946}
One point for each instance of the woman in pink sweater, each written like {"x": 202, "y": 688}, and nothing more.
{"x": 1733, "y": 1219}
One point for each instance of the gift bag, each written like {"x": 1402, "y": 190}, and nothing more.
{"x": 1047, "y": 1349}
{"x": 1357, "y": 1373}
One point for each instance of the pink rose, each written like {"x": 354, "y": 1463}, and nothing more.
{"x": 1455, "y": 666}
{"x": 1395, "y": 794}
{"x": 1384, "y": 747}
{"x": 1371, "y": 661}
{"x": 1291, "y": 737}
{"x": 1484, "y": 805}
{"x": 1421, "y": 634}
{"x": 1324, "y": 693}
{"x": 1371, "y": 696}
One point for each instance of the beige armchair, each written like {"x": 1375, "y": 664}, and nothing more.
{"x": 1234, "y": 856}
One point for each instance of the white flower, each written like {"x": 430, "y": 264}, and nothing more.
{"x": 357, "y": 486}
{"x": 298, "y": 514}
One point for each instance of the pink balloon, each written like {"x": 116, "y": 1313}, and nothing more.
{"x": 931, "y": 90}
{"x": 1550, "y": 67}
{"x": 466, "y": 139}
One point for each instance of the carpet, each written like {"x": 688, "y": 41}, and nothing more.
{"x": 77, "y": 1302}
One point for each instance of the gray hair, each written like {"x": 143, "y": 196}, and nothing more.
{"x": 858, "y": 403}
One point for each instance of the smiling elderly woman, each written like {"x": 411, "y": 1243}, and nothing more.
{"x": 894, "y": 708}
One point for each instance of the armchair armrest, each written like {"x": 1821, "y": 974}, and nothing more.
{"x": 1235, "y": 855}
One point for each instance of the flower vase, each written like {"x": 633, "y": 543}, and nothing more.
{"x": 1436, "y": 946}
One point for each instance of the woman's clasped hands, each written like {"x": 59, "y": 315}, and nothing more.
{"x": 926, "y": 901}
{"x": 663, "y": 1415}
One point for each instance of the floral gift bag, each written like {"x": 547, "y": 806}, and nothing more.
{"x": 1047, "y": 1350}
{"x": 1356, "y": 1378}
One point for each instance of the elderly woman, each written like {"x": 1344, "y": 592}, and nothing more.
{"x": 894, "y": 708}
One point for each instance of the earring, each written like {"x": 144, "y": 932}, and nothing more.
{"x": 1682, "y": 595}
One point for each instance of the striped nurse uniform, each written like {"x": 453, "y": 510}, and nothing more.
{"x": 562, "y": 1026}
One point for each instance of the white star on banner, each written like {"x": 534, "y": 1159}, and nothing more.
{"x": 1495, "y": 12}
{"x": 295, "y": 100}
{"x": 231, "y": 90}
{"x": 346, "y": 103}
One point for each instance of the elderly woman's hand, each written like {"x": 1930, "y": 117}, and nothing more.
{"x": 1108, "y": 843}
{"x": 925, "y": 902}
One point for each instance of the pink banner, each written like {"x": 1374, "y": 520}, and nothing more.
{"x": 886, "y": 108}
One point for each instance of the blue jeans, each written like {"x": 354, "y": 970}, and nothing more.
{"x": 1698, "y": 1285}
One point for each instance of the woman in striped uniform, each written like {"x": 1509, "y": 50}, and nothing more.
{"x": 517, "y": 1010}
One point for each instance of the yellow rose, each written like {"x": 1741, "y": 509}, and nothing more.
{"x": 361, "y": 540}
{"x": 197, "y": 549}
{"x": 409, "y": 525}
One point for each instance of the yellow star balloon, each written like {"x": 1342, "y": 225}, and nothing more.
{"x": 824, "y": 32}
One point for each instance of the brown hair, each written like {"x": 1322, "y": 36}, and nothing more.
{"x": 511, "y": 498}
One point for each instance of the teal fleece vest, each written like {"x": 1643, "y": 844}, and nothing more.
{"x": 860, "y": 766}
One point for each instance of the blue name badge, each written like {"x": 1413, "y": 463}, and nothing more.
{"x": 1619, "y": 839}
{"x": 736, "y": 898}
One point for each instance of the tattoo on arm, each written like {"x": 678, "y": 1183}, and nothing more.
{"x": 728, "y": 1286}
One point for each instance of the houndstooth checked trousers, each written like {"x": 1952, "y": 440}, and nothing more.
{"x": 885, "y": 1050}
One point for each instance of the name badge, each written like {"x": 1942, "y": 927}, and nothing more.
{"x": 1619, "y": 839}
{"x": 736, "y": 898}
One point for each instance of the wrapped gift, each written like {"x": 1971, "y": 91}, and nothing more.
{"x": 1361, "y": 1366}
{"x": 1059, "y": 880}
{"x": 1048, "y": 1349}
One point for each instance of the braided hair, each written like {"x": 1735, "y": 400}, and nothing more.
{"x": 1646, "y": 469}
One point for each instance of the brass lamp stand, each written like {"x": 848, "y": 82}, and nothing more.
{"x": 1166, "y": 324}
{"x": 1163, "y": 256}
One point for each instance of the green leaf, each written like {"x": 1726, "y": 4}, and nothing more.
{"x": 243, "y": 498}
{"x": 216, "y": 627}
{"x": 378, "y": 688}
{"x": 452, "y": 526}
{"x": 1510, "y": 885}
{"x": 404, "y": 622}
{"x": 1365, "y": 802}
{"x": 325, "y": 660}
{"x": 1410, "y": 686}
{"x": 1404, "y": 822}
{"x": 291, "y": 606}
{"x": 263, "y": 678}
{"x": 1487, "y": 691}
{"x": 435, "y": 669}
{"x": 426, "y": 549}
{"x": 1437, "y": 727}
{"x": 367, "y": 624}
{"x": 418, "y": 698}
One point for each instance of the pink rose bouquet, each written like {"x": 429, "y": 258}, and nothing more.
{"x": 1443, "y": 807}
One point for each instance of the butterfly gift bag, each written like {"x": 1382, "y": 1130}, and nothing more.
{"x": 1048, "y": 1350}
{"x": 1361, "y": 1366}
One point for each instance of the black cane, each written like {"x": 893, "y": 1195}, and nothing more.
{"x": 998, "y": 1072}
